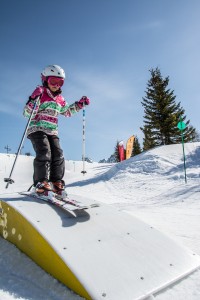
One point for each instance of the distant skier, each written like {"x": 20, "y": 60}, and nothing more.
{"x": 49, "y": 163}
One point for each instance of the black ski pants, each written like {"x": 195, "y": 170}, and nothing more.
{"x": 49, "y": 163}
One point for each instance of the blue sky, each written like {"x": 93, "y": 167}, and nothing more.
{"x": 106, "y": 48}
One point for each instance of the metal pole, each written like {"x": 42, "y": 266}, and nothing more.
{"x": 184, "y": 156}
{"x": 10, "y": 180}
{"x": 181, "y": 126}
{"x": 83, "y": 145}
{"x": 7, "y": 149}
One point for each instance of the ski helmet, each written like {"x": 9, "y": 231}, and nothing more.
{"x": 52, "y": 70}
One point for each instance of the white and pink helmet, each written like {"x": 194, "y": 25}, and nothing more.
{"x": 52, "y": 70}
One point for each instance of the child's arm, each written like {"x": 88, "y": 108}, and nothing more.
{"x": 70, "y": 110}
{"x": 30, "y": 103}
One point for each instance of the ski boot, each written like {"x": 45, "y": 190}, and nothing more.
{"x": 59, "y": 189}
{"x": 43, "y": 188}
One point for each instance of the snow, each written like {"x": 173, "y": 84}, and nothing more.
{"x": 150, "y": 186}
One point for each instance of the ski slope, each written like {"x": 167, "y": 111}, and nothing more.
{"x": 150, "y": 186}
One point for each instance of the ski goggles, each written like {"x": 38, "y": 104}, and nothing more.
{"x": 55, "y": 81}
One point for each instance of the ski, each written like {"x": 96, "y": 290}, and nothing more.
{"x": 75, "y": 203}
{"x": 65, "y": 204}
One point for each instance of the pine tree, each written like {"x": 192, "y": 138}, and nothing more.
{"x": 136, "y": 147}
{"x": 28, "y": 153}
{"x": 116, "y": 152}
{"x": 162, "y": 114}
{"x": 197, "y": 137}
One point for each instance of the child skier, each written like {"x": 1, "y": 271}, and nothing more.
{"x": 49, "y": 163}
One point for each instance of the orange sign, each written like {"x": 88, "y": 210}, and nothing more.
{"x": 129, "y": 146}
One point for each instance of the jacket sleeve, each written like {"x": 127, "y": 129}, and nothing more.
{"x": 69, "y": 110}
{"x": 30, "y": 103}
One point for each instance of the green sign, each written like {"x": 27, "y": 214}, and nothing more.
{"x": 181, "y": 125}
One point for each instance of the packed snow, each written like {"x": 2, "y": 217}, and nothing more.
{"x": 151, "y": 186}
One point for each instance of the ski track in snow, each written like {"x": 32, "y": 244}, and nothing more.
{"x": 151, "y": 186}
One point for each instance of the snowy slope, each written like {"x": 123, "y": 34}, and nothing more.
{"x": 150, "y": 186}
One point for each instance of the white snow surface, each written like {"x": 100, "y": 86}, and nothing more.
{"x": 150, "y": 186}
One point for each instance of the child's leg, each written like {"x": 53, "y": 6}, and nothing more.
{"x": 57, "y": 166}
{"x": 43, "y": 156}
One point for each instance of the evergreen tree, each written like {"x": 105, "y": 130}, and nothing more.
{"x": 28, "y": 153}
{"x": 116, "y": 153}
{"x": 136, "y": 147}
{"x": 162, "y": 114}
{"x": 197, "y": 137}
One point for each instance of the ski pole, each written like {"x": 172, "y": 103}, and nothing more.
{"x": 9, "y": 180}
{"x": 83, "y": 145}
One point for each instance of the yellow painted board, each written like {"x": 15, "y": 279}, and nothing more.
{"x": 17, "y": 230}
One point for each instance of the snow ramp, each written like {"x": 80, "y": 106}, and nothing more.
{"x": 99, "y": 253}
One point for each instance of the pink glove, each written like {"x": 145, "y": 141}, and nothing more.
{"x": 83, "y": 101}
{"x": 38, "y": 92}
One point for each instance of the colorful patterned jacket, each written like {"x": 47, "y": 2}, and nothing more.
{"x": 45, "y": 116}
